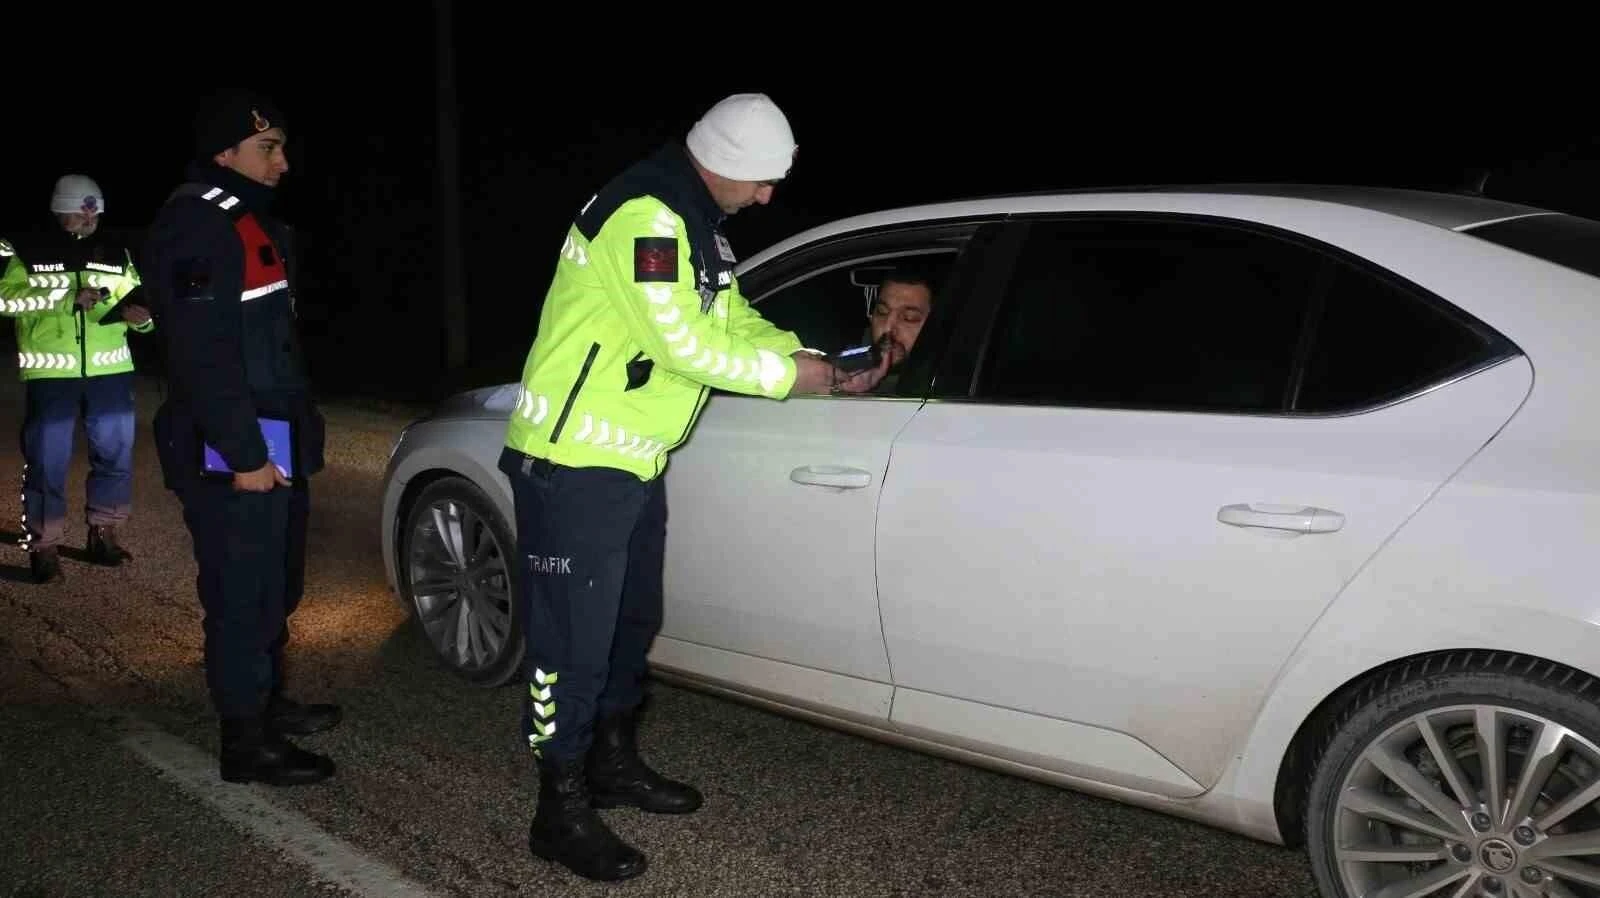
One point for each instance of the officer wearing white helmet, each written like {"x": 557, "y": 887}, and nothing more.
{"x": 73, "y": 293}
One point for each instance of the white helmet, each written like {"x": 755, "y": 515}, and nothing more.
{"x": 77, "y": 193}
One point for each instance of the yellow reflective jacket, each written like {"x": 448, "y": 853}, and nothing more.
{"x": 39, "y": 279}
{"x": 643, "y": 317}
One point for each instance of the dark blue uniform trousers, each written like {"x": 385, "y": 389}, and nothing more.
{"x": 51, "y": 420}
{"x": 590, "y": 542}
{"x": 251, "y": 552}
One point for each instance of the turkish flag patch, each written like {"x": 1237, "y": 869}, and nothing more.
{"x": 655, "y": 259}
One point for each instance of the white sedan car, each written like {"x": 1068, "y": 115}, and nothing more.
{"x": 1269, "y": 507}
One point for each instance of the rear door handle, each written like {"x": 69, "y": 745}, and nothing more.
{"x": 831, "y": 475}
{"x": 1294, "y": 518}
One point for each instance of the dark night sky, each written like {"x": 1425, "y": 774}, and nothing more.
{"x": 539, "y": 132}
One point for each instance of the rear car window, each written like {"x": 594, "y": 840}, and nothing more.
{"x": 1563, "y": 239}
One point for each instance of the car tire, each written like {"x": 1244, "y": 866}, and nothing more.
{"x": 469, "y": 618}
{"x": 1382, "y": 808}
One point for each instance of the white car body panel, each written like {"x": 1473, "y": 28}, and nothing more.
{"x": 1049, "y": 743}
{"x": 828, "y": 694}
{"x": 1082, "y": 573}
{"x": 760, "y": 564}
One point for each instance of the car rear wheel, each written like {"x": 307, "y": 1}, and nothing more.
{"x": 456, "y": 571}
{"x": 1467, "y": 774}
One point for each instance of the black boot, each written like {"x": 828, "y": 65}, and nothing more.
{"x": 290, "y": 718}
{"x": 566, "y": 829}
{"x": 45, "y": 565}
{"x": 251, "y": 753}
{"x": 617, "y": 776}
{"x": 103, "y": 548}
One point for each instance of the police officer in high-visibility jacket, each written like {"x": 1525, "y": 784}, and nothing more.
{"x": 223, "y": 276}
{"x": 643, "y": 319}
{"x": 73, "y": 293}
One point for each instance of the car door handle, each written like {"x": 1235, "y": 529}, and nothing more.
{"x": 1295, "y": 518}
{"x": 831, "y": 475}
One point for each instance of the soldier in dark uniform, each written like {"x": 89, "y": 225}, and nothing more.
{"x": 220, "y": 269}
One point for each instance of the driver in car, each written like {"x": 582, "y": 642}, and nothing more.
{"x": 895, "y": 318}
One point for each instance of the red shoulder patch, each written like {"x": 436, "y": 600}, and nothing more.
{"x": 655, "y": 259}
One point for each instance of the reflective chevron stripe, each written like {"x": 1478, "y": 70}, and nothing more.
{"x": 535, "y": 407}
{"x": 52, "y": 289}
{"x": 27, "y": 535}
{"x": 259, "y": 292}
{"x": 665, "y": 224}
{"x": 46, "y": 361}
{"x": 572, "y": 250}
{"x": 532, "y": 407}
{"x": 112, "y": 357}
{"x": 540, "y": 692}
{"x": 765, "y": 369}
{"x": 63, "y": 361}
{"x": 617, "y": 439}
{"x": 600, "y": 433}
{"x": 39, "y": 303}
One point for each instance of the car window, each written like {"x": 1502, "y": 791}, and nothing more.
{"x": 1563, "y": 239}
{"x": 829, "y": 308}
{"x": 1150, "y": 313}
{"x": 825, "y": 311}
{"x": 1377, "y": 339}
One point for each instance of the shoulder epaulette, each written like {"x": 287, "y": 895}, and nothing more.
{"x": 215, "y": 196}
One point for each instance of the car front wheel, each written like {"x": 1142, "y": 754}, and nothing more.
{"x": 1464, "y": 774}
{"x": 456, "y": 571}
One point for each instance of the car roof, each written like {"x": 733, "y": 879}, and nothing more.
{"x": 1454, "y": 211}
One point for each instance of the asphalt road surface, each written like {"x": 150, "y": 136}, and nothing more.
{"x": 108, "y": 785}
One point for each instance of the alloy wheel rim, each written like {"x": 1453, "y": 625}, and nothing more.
{"x": 459, "y": 584}
{"x": 1469, "y": 801}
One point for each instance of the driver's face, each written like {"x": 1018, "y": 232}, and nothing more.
{"x": 898, "y": 314}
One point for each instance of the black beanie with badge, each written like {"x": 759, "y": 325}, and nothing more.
{"x": 228, "y": 117}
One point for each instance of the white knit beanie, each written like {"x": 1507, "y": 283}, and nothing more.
{"x": 744, "y": 137}
{"x": 77, "y": 193}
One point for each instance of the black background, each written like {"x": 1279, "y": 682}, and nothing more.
{"x": 544, "y": 113}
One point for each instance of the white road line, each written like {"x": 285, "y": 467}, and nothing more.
{"x": 330, "y": 859}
